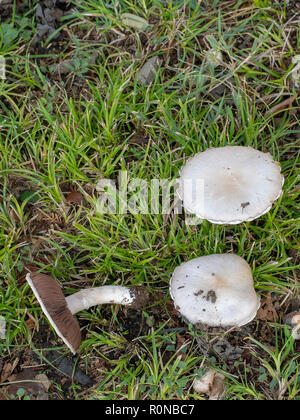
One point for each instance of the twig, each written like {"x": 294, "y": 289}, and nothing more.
{"x": 287, "y": 103}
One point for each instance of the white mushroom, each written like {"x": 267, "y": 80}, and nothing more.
{"x": 239, "y": 184}
{"x": 215, "y": 290}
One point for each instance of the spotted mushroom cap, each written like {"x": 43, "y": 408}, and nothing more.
{"x": 238, "y": 184}
{"x": 215, "y": 290}
{"x": 54, "y": 305}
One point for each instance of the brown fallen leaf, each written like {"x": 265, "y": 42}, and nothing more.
{"x": 173, "y": 312}
{"x": 3, "y": 397}
{"x": 181, "y": 342}
{"x": 7, "y": 369}
{"x": 35, "y": 385}
{"x": 75, "y": 197}
{"x": 28, "y": 266}
{"x": 171, "y": 47}
{"x": 282, "y": 106}
{"x": 267, "y": 312}
{"x": 139, "y": 138}
{"x": 31, "y": 324}
{"x": 43, "y": 379}
{"x": 212, "y": 384}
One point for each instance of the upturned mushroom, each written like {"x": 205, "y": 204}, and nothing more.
{"x": 239, "y": 184}
{"x": 60, "y": 309}
{"x": 215, "y": 291}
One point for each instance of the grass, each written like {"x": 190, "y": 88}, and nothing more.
{"x": 77, "y": 128}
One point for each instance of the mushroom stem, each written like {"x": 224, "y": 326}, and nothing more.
{"x": 86, "y": 298}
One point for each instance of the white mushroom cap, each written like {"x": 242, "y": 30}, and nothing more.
{"x": 215, "y": 290}
{"x": 240, "y": 184}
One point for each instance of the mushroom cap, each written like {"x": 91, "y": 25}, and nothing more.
{"x": 215, "y": 290}
{"x": 240, "y": 184}
{"x": 54, "y": 305}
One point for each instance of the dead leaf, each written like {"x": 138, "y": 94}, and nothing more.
{"x": 43, "y": 379}
{"x": 136, "y": 22}
{"x": 31, "y": 324}
{"x": 35, "y": 385}
{"x": 36, "y": 244}
{"x": 7, "y": 370}
{"x": 267, "y": 312}
{"x": 226, "y": 350}
{"x": 2, "y": 328}
{"x": 147, "y": 73}
{"x": 139, "y": 138}
{"x": 213, "y": 57}
{"x": 3, "y": 397}
{"x": 65, "y": 367}
{"x": 295, "y": 73}
{"x": 181, "y": 343}
{"x": 172, "y": 311}
{"x": 212, "y": 384}
{"x": 282, "y": 106}
{"x": 75, "y": 197}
